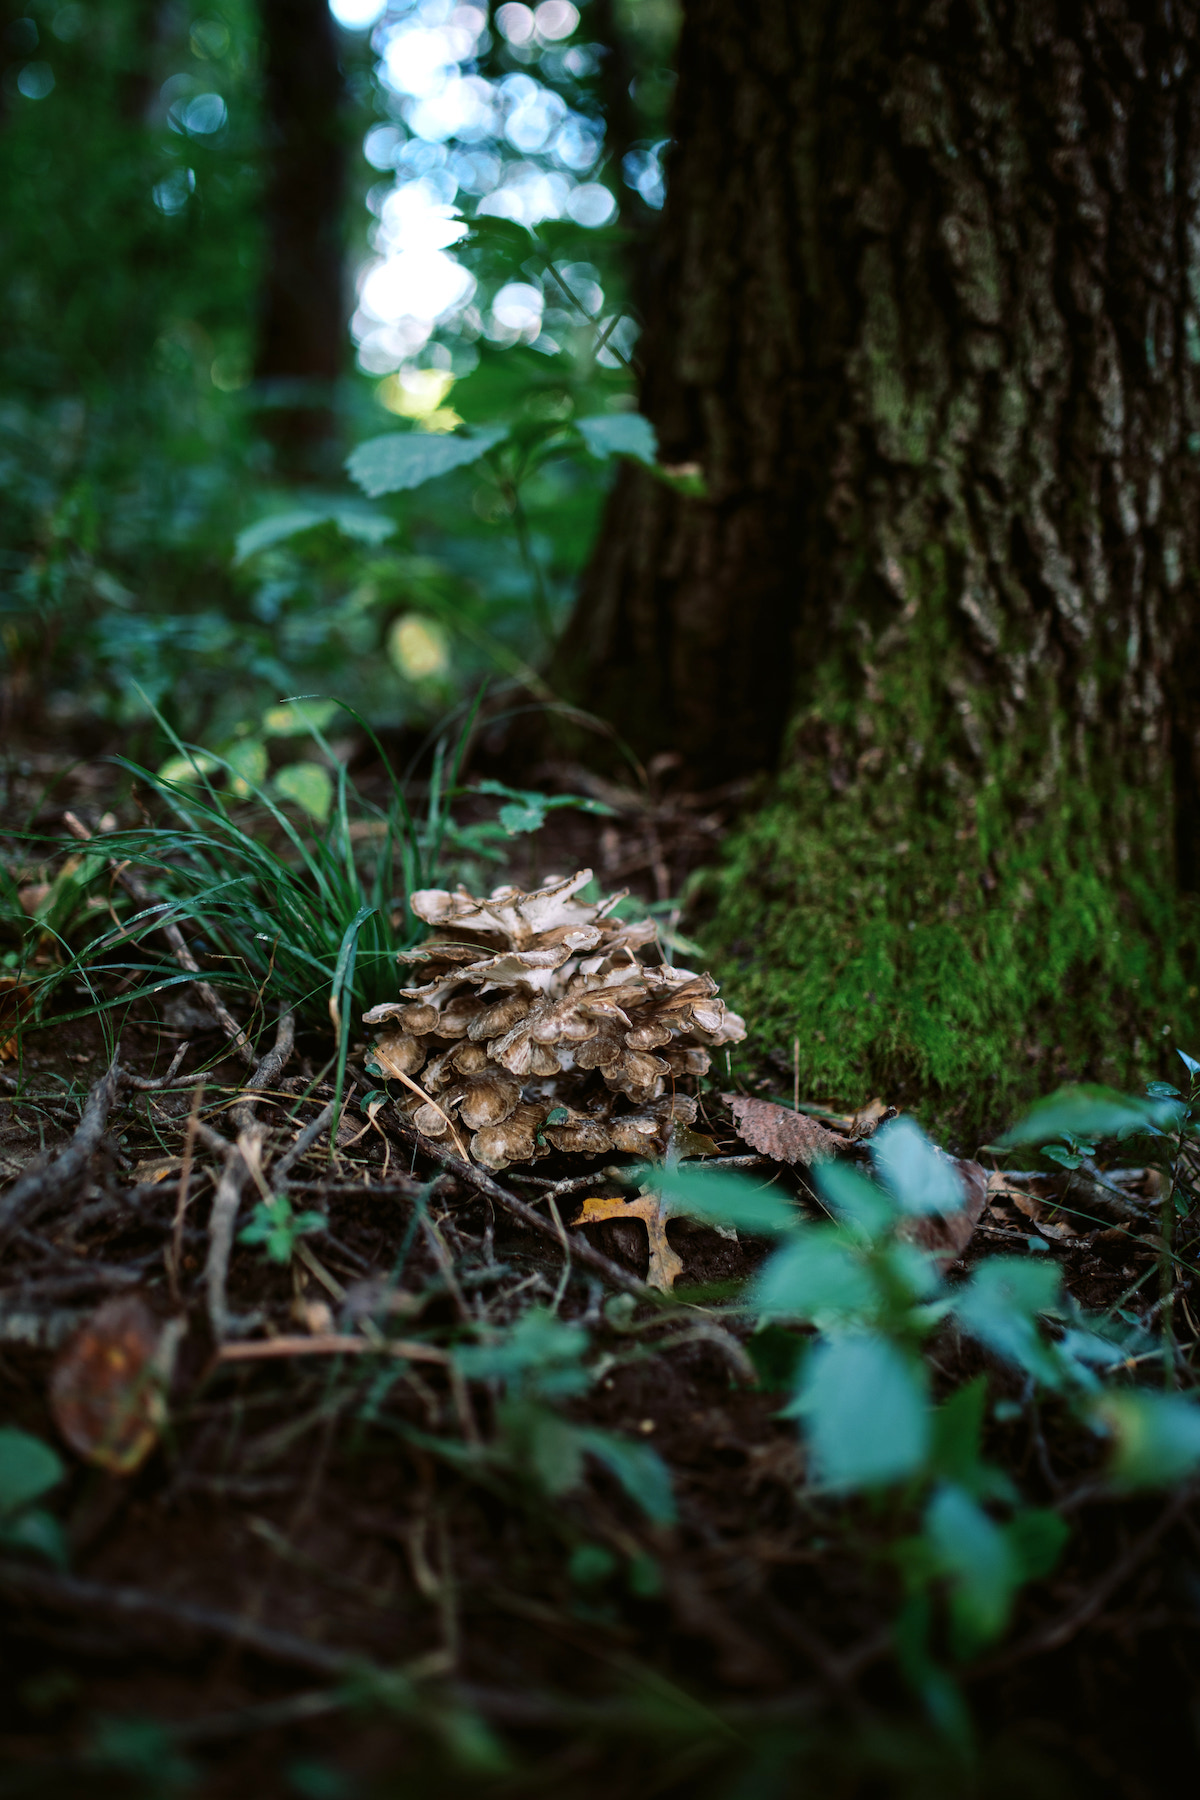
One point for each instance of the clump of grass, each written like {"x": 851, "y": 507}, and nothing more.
{"x": 280, "y": 908}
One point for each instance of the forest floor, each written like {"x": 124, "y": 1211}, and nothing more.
{"x": 324, "y": 1567}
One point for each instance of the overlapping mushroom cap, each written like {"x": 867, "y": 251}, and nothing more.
{"x": 543, "y": 1020}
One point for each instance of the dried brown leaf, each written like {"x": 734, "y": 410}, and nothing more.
{"x": 107, "y": 1391}
{"x": 946, "y": 1235}
{"x": 665, "y": 1265}
{"x": 790, "y": 1137}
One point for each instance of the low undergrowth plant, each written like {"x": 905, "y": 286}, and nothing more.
{"x": 291, "y": 890}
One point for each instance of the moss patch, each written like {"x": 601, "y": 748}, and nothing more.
{"x": 957, "y": 942}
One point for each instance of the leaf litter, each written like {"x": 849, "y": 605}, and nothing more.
{"x": 490, "y": 1419}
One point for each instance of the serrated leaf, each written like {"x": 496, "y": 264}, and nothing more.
{"x": 975, "y": 1553}
{"x": 814, "y": 1275}
{"x": 28, "y": 1469}
{"x": 1090, "y": 1111}
{"x": 722, "y": 1199}
{"x": 999, "y": 1306}
{"x": 866, "y": 1412}
{"x": 640, "y": 1470}
{"x": 921, "y": 1177}
{"x": 1157, "y": 1437}
{"x": 620, "y": 434}
{"x": 406, "y": 459}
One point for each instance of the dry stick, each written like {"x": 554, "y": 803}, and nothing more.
{"x": 223, "y": 1218}
{"x": 71, "y": 1593}
{"x": 269, "y": 1069}
{"x": 24, "y": 1198}
{"x": 581, "y": 1250}
{"x": 183, "y": 956}
{"x": 305, "y": 1141}
{"x": 330, "y": 1344}
{"x": 174, "y": 1256}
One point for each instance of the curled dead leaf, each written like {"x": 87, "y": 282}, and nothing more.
{"x": 108, "y": 1387}
{"x": 776, "y": 1131}
{"x": 946, "y": 1235}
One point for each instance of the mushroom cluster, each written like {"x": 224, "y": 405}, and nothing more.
{"x": 543, "y": 1021}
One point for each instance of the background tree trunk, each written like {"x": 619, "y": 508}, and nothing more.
{"x": 302, "y": 315}
{"x": 931, "y": 326}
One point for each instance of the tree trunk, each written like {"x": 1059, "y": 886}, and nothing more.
{"x": 930, "y": 325}
{"x": 302, "y": 322}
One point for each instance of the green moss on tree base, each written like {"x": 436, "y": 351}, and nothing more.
{"x": 927, "y": 942}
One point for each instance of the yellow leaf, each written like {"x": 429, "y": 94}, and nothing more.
{"x": 665, "y": 1265}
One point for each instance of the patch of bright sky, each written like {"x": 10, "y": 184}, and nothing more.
{"x": 460, "y": 143}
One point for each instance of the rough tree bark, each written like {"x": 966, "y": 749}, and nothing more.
{"x": 930, "y": 324}
{"x": 302, "y": 325}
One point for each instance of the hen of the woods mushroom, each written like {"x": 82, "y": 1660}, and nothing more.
{"x": 541, "y": 1020}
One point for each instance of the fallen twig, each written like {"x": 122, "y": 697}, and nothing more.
{"x": 71, "y": 1593}
{"x": 305, "y": 1141}
{"x": 581, "y": 1250}
{"x": 24, "y": 1199}
{"x": 330, "y": 1344}
{"x": 269, "y": 1069}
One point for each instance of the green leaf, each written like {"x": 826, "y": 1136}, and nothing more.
{"x": 28, "y": 1469}
{"x": 866, "y": 1410}
{"x": 1157, "y": 1437}
{"x": 1036, "y": 1537}
{"x": 309, "y": 786}
{"x": 999, "y": 1307}
{"x": 1090, "y": 1112}
{"x": 522, "y": 815}
{"x": 406, "y": 459}
{"x": 620, "y": 434}
{"x": 1058, "y": 1154}
{"x": 247, "y": 763}
{"x": 814, "y": 1275}
{"x": 721, "y": 1199}
{"x": 855, "y": 1200}
{"x": 920, "y": 1176}
{"x": 776, "y": 1355}
{"x": 36, "y": 1530}
{"x": 975, "y": 1553}
{"x": 640, "y": 1470}
{"x": 1189, "y": 1062}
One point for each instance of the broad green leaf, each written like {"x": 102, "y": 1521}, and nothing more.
{"x": 1090, "y": 1112}
{"x": 406, "y": 459}
{"x": 1036, "y": 1537}
{"x": 920, "y": 1176}
{"x": 640, "y": 1470}
{"x": 28, "y": 1469}
{"x": 193, "y": 768}
{"x": 620, "y": 434}
{"x": 522, "y": 815}
{"x": 975, "y": 1553}
{"x": 539, "y": 1351}
{"x": 854, "y": 1199}
{"x": 36, "y": 1530}
{"x": 294, "y": 718}
{"x": 999, "y": 1306}
{"x": 247, "y": 760}
{"x": 352, "y": 521}
{"x": 309, "y": 786}
{"x": 1189, "y": 1062}
{"x": 866, "y": 1412}
{"x": 1157, "y": 1437}
{"x": 815, "y": 1274}
{"x": 722, "y": 1199}
{"x": 555, "y": 1451}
